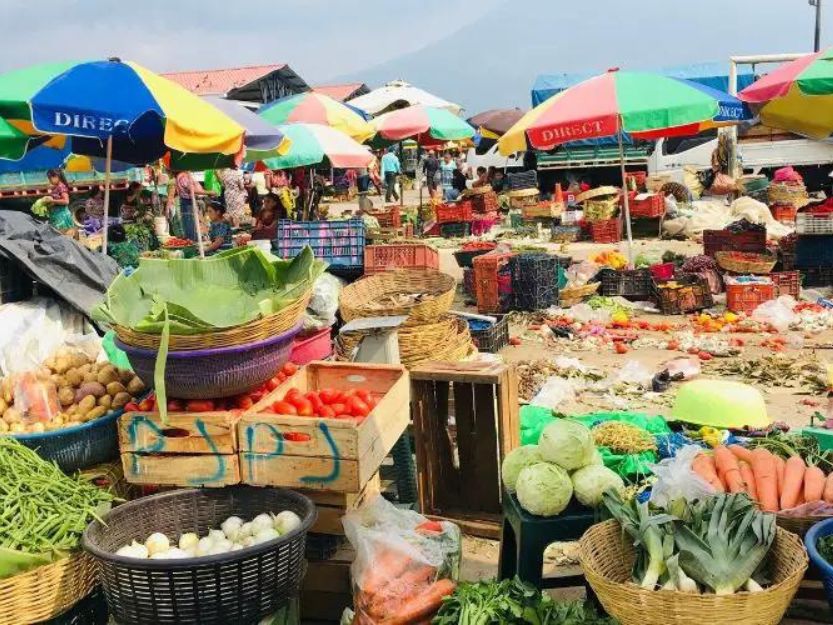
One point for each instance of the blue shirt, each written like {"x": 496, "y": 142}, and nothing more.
{"x": 447, "y": 174}
{"x": 220, "y": 229}
{"x": 390, "y": 164}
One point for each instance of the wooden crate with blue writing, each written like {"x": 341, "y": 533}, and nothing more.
{"x": 339, "y": 455}
{"x": 191, "y": 449}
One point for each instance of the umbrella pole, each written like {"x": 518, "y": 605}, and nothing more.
{"x": 626, "y": 198}
{"x": 418, "y": 175}
{"x": 107, "y": 172}
{"x": 196, "y": 213}
{"x": 399, "y": 178}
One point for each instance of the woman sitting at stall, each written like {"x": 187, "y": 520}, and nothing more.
{"x": 94, "y": 206}
{"x": 60, "y": 217}
{"x": 219, "y": 230}
{"x": 132, "y": 204}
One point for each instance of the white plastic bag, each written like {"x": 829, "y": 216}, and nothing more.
{"x": 634, "y": 372}
{"x": 323, "y": 305}
{"x": 676, "y": 479}
{"x": 555, "y": 391}
{"x": 777, "y": 312}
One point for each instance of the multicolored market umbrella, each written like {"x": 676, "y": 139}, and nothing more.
{"x": 640, "y": 104}
{"x": 797, "y": 96}
{"x": 313, "y": 144}
{"x": 316, "y": 108}
{"x": 115, "y": 109}
{"x": 493, "y": 123}
{"x": 425, "y": 124}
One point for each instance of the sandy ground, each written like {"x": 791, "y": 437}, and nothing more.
{"x": 480, "y": 556}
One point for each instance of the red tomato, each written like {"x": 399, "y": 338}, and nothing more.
{"x": 345, "y": 395}
{"x": 328, "y": 395}
{"x": 280, "y": 377}
{"x": 345, "y": 416}
{"x": 199, "y": 405}
{"x": 357, "y": 407}
{"x": 296, "y": 437}
{"x": 305, "y": 408}
{"x": 339, "y": 408}
{"x": 284, "y": 407}
{"x": 620, "y": 348}
{"x": 131, "y": 406}
{"x": 147, "y": 405}
{"x": 272, "y": 384}
{"x": 290, "y": 368}
{"x": 704, "y": 356}
{"x": 373, "y": 402}
{"x": 293, "y": 392}
{"x": 243, "y": 402}
{"x": 175, "y": 405}
{"x": 326, "y": 412}
{"x": 515, "y": 340}
{"x": 363, "y": 394}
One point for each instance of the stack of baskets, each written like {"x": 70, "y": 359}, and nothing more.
{"x": 425, "y": 298}
{"x": 788, "y": 193}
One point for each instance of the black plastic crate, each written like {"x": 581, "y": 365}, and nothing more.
{"x": 534, "y": 281}
{"x": 816, "y": 276}
{"x": 635, "y": 284}
{"x": 464, "y": 258}
{"x": 813, "y": 251}
{"x": 455, "y": 230}
{"x": 339, "y": 243}
{"x": 492, "y": 338}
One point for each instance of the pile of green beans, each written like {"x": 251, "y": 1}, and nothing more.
{"x": 41, "y": 508}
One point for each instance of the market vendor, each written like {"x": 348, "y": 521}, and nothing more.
{"x": 132, "y": 203}
{"x": 266, "y": 227}
{"x": 447, "y": 169}
{"x": 123, "y": 250}
{"x": 94, "y": 206}
{"x": 498, "y": 181}
{"x": 60, "y": 217}
{"x": 235, "y": 194}
{"x": 219, "y": 230}
{"x": 482, "y": 179}
{"x": 183, "y": 188}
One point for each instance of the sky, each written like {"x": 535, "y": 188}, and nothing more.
{"x": 479, "y": 53}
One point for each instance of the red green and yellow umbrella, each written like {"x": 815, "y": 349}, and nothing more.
{"x": 316, "y": 108}
{"x": 425, "y": 124}
{"x": 797, "y": 96}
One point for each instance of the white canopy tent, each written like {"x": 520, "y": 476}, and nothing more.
{"x": 398, "y": 94}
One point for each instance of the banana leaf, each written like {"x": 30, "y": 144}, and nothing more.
{"x": 14, "y": 562}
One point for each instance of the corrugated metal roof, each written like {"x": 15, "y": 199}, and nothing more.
{"x": 222, "y": 81}
{"x": 342, "y": 92}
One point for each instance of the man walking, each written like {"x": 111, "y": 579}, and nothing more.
{"x": 431, "y": 166}
{"x": 390, "y": 172}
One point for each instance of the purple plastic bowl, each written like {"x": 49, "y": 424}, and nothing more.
{"x": 218, "y": 372}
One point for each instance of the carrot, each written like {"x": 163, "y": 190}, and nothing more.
{"x": 409, "y": 584}
{"x": 741, "y": 453}
{"x": 780, "y": 466}
{"x": 423, "y": 605}
{"x": 793, "y": 481}
{"x": 766, "y": 479}
{"x": 828, "y": 489}
{"x": 728, "y": 469}
{"x": 387, "y": 565}
{"x": 813, "y": 484}
{"x": 749, "y": 480}
{"x": 703, "y": 466}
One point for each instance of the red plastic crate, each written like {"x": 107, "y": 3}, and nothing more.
{"x": 400, "y": 256}
{"x": 785, "y": 213}
{"x": 724, "y": 241}
{"x": 787, "y": 283}
{"x": 490, "y": 292}
{"x": 454, "y": 213}
{"x": 746, "y": 298}
{"x": 639, "y": 176}
{"x": 388, "y": 217}
{"x": 482, "y": 224}
{"x": 652, "y": 206}
{"x": 316, "y": 346}
{"x": 662, "y": 271}
{"x": 606, "y": 231}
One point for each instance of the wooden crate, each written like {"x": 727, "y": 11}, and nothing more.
{"x": 458, "y": 462}
{"x": 327, "y": 589}
{"x": 339, "y": 455}
{"x": 191, "y": 449}
{"x": 333, "y": 506}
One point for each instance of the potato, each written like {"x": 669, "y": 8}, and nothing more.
{"x": 135, "y": 387}
{"x": 3, "y": 405}
{"x": 71, "y": 424}
{"x": 89, "y": 378}
{"x": 95, "y": 413}
{"x": 107, "y": 374}
{"x": 79, "y": 359}
{"x": 120, "y": 400}
{"x": 125, "y": 375}
{"x": 84, "y": 369}
{"x": 51, "y": 362}
{"x": 4, "y": 427}
{"x": 74, "y": 377}
{"x": 59, "y": 418}
{"x": 90, "y": 388}
{"x": 86, "y": 404}
{"x": 62, "y": 364}
{"x": 7, "y": 390}
{"x": 106, "y": 401}
{"x": 17, "y": 428}
{"x": 36, "y": 427}
{"x": 114, "y": 388}
{"x": 66, "y": 396}
{"x": 12, "y": 415}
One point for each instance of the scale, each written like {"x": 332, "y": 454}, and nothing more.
{"x": 380, "y": 343}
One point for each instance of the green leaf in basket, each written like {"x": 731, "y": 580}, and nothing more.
{"x": 14, "y": 562}
{"x": 159, "y": 369}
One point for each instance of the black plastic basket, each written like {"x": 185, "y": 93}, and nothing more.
{"x": 534, "y": 281}
{"x": 237, "y": 587}
{"x": 464, "y": 258}
{"x": 92, "y": 610}
{"x": 78, "y": 447}
{"x": 493, "y": 338}
{"x": 635, "y": 284}
{"x": 455, "y": 230}
{"x": 694, "y": 294}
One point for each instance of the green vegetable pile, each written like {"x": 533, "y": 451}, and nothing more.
{"x": 825, "y": 547}
{"x": 512, "y": 602}
{"x": 44, "y": 512}
{"x": 717, "y": 545}
{"x": 608, "y": 303}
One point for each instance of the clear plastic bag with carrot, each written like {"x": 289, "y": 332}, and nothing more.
{"x": 405, "y": 564}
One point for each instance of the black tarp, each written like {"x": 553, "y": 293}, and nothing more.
{"x": 75, "y": 273}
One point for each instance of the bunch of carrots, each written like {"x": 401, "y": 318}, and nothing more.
{"x": 397, "y": 590}
{"x": 776, "y": 484}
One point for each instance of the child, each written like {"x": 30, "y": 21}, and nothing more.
{"x": 267, "y": 224}
{"x": 219, "y": 231}
{"x": 58, "y": 199}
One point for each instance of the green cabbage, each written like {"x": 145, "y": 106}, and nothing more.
{"x": 590, "y": 483}
{"x": 516, "y": 461}
{"x": 568, "y": 444}
{"x": 544, "y": 489}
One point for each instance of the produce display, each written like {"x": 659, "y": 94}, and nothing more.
{"x": 44, "y": 511}
{"x": 68, "y": 390}
{"x": 326, "y": 403}
{"x": 512, "y": 602}
{"x": 717, "y": 545}
{"x": 175, "y": 242}
{"x": 610, "y": 258}
{"x": 234, "y": 534}
{"x": 564, "y": 463}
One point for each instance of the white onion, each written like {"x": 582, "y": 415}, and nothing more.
{"x": 204, "y": 546}
{"x": 129, "y": 551}
{"x": 215, "y": 535}
{"x": 248, "y": 541}
{"x": 265, "y": 535}
{"x": 245, "y": 530}
{"x": 262, "y": 522}
{"x": 236, "y": 547}
{"x": 189, "y": 541}
{"x": 221, "y": 546}
{"x": 141, "y": 550}
{"x": 287, "y": 521}
{"x": 156, "y": 543}
{"x": 231, "y": 527}
{"x": 174, "y": 553}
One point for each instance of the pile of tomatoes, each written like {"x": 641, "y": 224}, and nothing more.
{"x": 327, "y": 403}
{"x": 177, "y": 242}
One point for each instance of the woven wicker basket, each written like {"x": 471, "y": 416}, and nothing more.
{"x": 523, "y": 197}
{"x": 798, "y": 525}
{"x": 375, "y": 296}
{"x": 47, "y": 591}
{"x": 746, "y": 262}
{"x": 252, "y": 332}
{"x": 571, "y": 295}
{"x": 600, "y": 210}
{"x": 607, "y": 557}
{"x": 794, "y": 194}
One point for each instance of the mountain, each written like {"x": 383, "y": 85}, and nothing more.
{"x": 494, "y": 60}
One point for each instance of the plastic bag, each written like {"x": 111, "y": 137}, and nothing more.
{"x": 403, "y": 561}
{"x": 777, "y": 312}
{"x": 676, "y": 479}
{"x": 555, "y": 391}
{"x": 35, "y": 398}
{"x": 634, "y": 372}
{"x": 533, "y": 421}
{"x": 323, "y": 305}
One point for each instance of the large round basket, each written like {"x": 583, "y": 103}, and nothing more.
{"x": 423, "y": 295}
{"x": 47, "y": 591}
{"x": 78, "y": 447}
{"x": 746, "y": 262}
{"x": 215, "y": 372}
{"x": 799, "y": 525}
{"x": 257, "y": 330}
{"x": 237, "y": 587}
{"x": 607, "y": 557}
